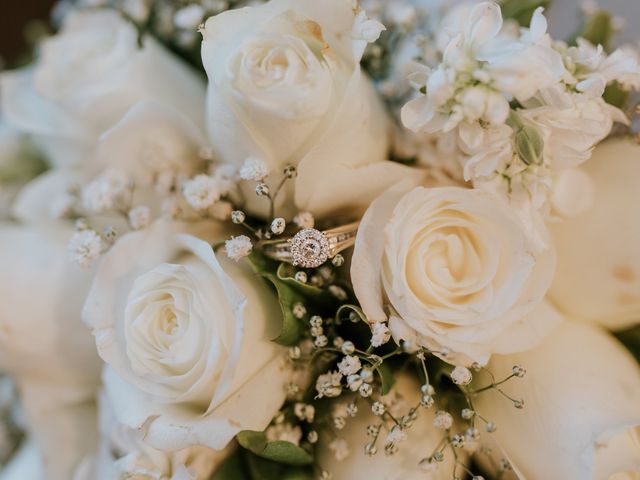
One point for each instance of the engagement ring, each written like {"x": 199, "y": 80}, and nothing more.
{"x": 310, "y": 248}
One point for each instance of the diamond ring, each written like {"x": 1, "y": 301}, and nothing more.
{"x": 310, "y": 248}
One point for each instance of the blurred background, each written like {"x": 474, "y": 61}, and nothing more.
{"x": 19, "y": 20}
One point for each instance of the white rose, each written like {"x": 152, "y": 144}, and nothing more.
{"x": 41, "y": 333}
{"x": 44, "y": 345}
{"x": 285, "y": 85}
{"x": 86, "y": 77}
{"x": 456, "y": 269}
{"x": 186, "y": 336}
{"x": 598, "y": 275}
{"x": 123, "y": 453}
{"x": 581, "y": 418}
{"x": 150, "y": 140}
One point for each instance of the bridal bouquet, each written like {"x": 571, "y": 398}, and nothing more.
{"x": 320, "y": 239}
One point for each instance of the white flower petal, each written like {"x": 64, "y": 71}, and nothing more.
{"x": 581, "y": 388}
{"x": 603, "y": 286}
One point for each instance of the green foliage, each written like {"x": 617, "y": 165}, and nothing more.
{"x": 278, "y": 451}
{"x": 631, "y": 339}
{"x": 244, "y": 465}
{"x": 288, "y": 296}
{"x": 521, "y": 10}
{"x": 386, "y": 377}
{"x": 616, "y": 96}
{"x": 261, "y": 469}
{"x": 529, "y": 145}
{"x": 232, "y": 468}
{"x": 597, "y": 28}
{"x": 528, "y": 142}
{"x": 290, "y": 292}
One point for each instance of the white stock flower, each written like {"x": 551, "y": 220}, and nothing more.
{"x": 598, "y": 275}
{"x": 482, "y": 70}
{"x": 457, "y": 267}
{"x": 581, "y": 418}
{"x": 86, "y": 77}
{"x": 420, "y": 441}
{"x": 590, "y": 69}
{"x": 285, "y": 85}
{"x": 183, "y": 365}
{"x": 571, "y": 126}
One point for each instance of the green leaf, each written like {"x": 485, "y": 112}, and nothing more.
{"x": 528, "y": 142}
{"x": 353, "y": 308}
{"x": 616, "y": 96}
{"x": 386, "y": 377}
{"x": 261, "y": 469}
{"x": 286, "y": 273}
{"x": 631, "y": 339}
{"x": 597, "y": 28}
{"x": 278, "y": 451}
{"x": 529, "y": 145}
{"x": 288, "y": 296}
{"x": 231, "y": 469}
{"x": 521, "y": 10}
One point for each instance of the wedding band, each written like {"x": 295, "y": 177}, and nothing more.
{"x": 310, "y": 248}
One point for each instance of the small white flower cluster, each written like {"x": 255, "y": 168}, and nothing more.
{"x": 521, "y": 106}
{"x": 238, "y": 247}
{"x": 110, "y": 191}
{"x": 254, "y": 169}
{"x": 85, "y": 247}
{"x": 206, "y": 194}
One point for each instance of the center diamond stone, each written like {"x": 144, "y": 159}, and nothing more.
{"x": 309, "y": 248}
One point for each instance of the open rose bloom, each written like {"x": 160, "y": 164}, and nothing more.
{"x": 321, "y": 239}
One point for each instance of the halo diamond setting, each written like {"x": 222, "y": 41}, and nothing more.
{"x": 309, "y": 248}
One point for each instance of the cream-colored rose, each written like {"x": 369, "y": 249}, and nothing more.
{"x": 186, "y": 337}
{"x": 151, "y": 140}
{"x": 451, "y": 267}
{"x": 422, "y": 438}
{"x": 598, "y": 275}
{"x": 41, "y": 296}
{"x": 85, "y": 79}
{"x": 285, "y": 85}
{"x": 581, "y": 419}
{"x": 45, "y": 346}
{"x": 123, "y": 453}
